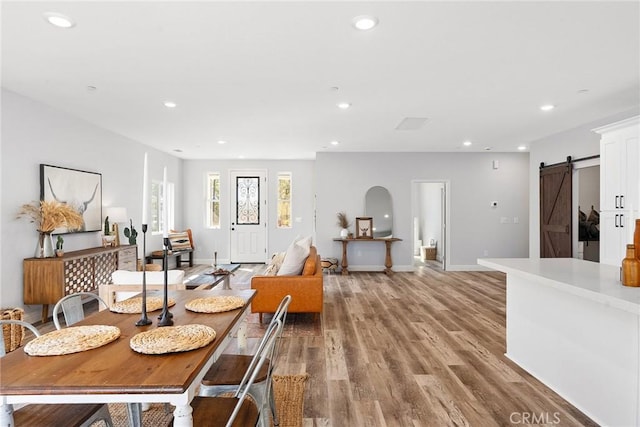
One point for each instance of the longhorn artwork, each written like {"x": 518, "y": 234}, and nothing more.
{"x": 80, "y": 189}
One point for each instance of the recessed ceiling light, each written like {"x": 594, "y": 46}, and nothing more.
{"x": 221, "y": 142}
{"x": 522, "y": 147}
{"x": 170, "y": 104}
{"x": 547, "y": 107}
{"x": 487, "y": 148}
{"x": 335, "y": 142}
{"x": 583, "y": 91}
{"x": 365, "y": 22}
{"x": 466, "y": 143}
{"x": 177, "y": 150}
{"x": 241, "y": 156}
{"x": 344, "y": 105}
{"x": 59, "y": 20}
{"x": 91, "y": 88}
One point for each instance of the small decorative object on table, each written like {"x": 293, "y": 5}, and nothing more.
{"x": 59, "y": 243}
{"x": 49, "y": 216}
{"x": 343, "y": 223}
{"x": 108, "y": 239}
{"x": 631, "y": 264}
{"x": 364, "y": 227}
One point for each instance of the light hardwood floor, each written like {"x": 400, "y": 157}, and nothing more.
{"x": 418, "y": 349}
{"x": 413, "y": 349}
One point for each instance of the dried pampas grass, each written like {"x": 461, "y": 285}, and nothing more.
{"x": 51, "y": 215}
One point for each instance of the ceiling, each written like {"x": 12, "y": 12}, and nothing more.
{"x": 267, "y": 76}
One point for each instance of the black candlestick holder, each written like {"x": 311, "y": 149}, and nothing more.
{"x": 165, "y": 316}
{"x": 144, "y": 320}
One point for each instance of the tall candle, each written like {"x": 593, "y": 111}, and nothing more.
{"x": 145, "y": 185}
{"x": 165, "y": 205}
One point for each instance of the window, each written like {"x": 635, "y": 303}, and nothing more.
{"x": 284, "y": 200}
{"x": 213, "y": 200}
{"x": 157, "y": 226}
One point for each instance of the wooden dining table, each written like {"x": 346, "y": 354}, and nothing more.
{"x": 114, "y": 372}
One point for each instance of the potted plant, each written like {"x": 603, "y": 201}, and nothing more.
{"x": 107, "y": 237}
{"x": 343, "y": 223}
{"x": 59, "y": 243}
{"x": 131, "y": 233}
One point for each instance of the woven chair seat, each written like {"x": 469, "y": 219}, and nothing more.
{"x": 230, "y": 368}
{"x": 214, "y": 412}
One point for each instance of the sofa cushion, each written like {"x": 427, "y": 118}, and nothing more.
{"x": 296, "y": 255}
{"x": 179, "y": 241}
{"x": 275, "y": 264}
{"x": 309, "y": 268}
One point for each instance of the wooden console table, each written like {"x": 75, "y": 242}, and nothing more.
{"x": 46, "y": 280}
{"x": 388, "y": 263}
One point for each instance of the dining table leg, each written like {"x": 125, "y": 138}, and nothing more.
{"x": 182, "y": 416}
{"x": 6, "y": 414}
{"x": 242, "y": 335}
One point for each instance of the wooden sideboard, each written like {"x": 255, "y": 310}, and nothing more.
{"x": 46, "y": 280}
{"x": 388, "y": 263}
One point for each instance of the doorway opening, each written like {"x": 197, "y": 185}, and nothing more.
{"x": 430, "y": 218}
{"x": 586, "y": 209}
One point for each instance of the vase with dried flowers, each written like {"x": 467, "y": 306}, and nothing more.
{"x": 48, "y": 216}
{"x": 343, "y": 223}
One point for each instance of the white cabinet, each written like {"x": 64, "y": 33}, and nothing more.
{"x": 619, "y": 187}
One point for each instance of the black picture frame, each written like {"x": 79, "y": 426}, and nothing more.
{"x": 80, "y": 189}
{"x": 364, "y": 227}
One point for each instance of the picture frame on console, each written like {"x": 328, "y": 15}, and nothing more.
{"x": 364, "y": 227}
{"x": 80, "y": 189}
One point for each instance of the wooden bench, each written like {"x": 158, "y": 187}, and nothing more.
{"x": 172, "y": 254}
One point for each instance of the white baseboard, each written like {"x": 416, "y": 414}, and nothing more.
{"x": 472, "y": 267}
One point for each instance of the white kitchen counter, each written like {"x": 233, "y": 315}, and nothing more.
{"x": 598, "y": 282}
{"x": 574, "y": 326}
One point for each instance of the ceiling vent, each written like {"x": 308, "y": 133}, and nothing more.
{"x": 411, "y": 123}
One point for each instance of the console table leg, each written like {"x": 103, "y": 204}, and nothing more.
{"x": 45, "y": 312}
{"x": 345, "y": 262}
{"x": 387, "y": 261}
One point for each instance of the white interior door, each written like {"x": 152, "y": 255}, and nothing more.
{"x": 248, "y": 216}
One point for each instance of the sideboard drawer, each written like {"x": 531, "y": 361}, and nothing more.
{"x": 127, "y": 259}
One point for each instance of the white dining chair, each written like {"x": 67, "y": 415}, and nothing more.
{"x": 72, "y": 308}
{"x": 230, "y": 369}
{"x": 54, "y": 415}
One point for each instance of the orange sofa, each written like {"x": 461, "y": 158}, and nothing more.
{"x": 305, "y": 289}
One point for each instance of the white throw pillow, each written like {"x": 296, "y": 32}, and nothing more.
{"x": 295, "y": 257}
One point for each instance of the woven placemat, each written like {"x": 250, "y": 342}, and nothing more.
{"x": 134, "y": 305}
{"x": 216, "y": 304}
{"x": 172, "y": 339}
{"x": 72, "y": 340}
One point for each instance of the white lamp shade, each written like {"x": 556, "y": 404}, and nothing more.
{"x": 117, "y": 214}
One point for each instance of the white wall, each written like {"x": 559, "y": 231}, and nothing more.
{"x": 578, "y": 142}
{"x": 344, "y": 178}
{"x": 34, "y": 133}
{"x": 209, "y": 240}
